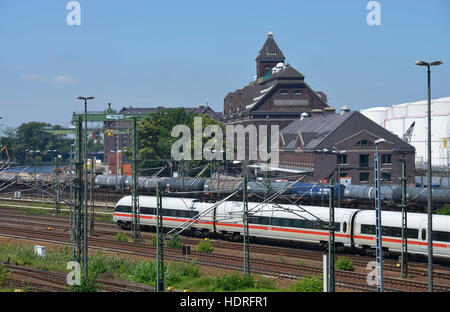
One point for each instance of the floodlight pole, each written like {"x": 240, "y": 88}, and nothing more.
{"x": 430, "y": 208}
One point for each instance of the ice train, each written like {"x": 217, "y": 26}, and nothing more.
{"x": 355, "y": 228}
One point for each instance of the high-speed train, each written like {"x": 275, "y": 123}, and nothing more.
{"x": 355, "y": 228}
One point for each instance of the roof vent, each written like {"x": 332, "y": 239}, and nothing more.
{"x": 316, "y": 113}
{"x": 344, "y": 109}
{"x": 303, "y": 116}
{"x": 329, "y": 111}
{"x": 270, "y": 34}
{"x": 160, "y": 107}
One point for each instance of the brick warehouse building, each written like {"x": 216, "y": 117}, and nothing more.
{"x": 278, "y": 95}
{"x": 311, "y": 131}
{"x": 319, "y": 142}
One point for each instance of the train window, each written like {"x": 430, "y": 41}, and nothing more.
{"x": 285, "y": 222}
{"x": 297, "y": 223}
{"x": 123, "y": 209}
{"x": 337, "y": 227}
{"x": 264, "y": 220}
{"x": 424, "y": 234}
{"x": 441, "y": 236}
{"x": 413, "y": 233}
{"x": 344, "y": 228}
{"x": 276, "y": 221}
{"x": 367, "y": 229}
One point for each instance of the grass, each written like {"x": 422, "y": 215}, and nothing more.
{"x": 181, "y": 275}
{"x": 309, "y": 283}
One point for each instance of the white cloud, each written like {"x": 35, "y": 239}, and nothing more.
{"x": 34, "y": 78}
{"x": 62, "y": 80}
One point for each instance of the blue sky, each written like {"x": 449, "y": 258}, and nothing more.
{"x": 189, "y": 53}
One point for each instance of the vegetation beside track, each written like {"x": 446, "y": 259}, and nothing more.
{"x": 180, "y": 275}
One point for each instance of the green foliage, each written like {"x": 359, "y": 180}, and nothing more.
{"x": 205, "y": 246}
{"x": 121, "y": 237}
{"x": 4, "y": 275}
{"x": 309, "y": 283}
{"x": 344, "y": 263}
{"x": 301, "y": 262}
{"x": 174, "y": 242}
{"x": 89, "y": 284}
{"x": 145, "y": 272}
{"x": 155, "y": 140}
{"x": 32, "y": 136}
{"x": 444, "y": 210}
{"x": 234, "y": 281}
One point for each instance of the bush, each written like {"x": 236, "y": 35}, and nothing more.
{"x": 177, "y": 272}
{"x": 145, "y": 272}
{"x": 309, "y": 283}
{"x": 4, "y": 275}
{"x": 205, "y": 246}
{"x": 344, "y": 263}
{"x": 121, "y": 237}
{"x": 87, "y": 285}
{"x": 234, "y": 281}
{"x": 174, "y": 242}
{"x": 444, "y": 210}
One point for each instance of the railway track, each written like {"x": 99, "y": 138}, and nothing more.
{"x": 55, "y": 281}
{"x": 272, "y": 268}
{"x": 311, "y": 253}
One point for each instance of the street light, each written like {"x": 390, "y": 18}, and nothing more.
{"x": 430, "y": 212}
{"x": 85, "y": 99}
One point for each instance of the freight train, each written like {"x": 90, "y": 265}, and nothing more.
{"x": 304, "y": 190}
{"x": 355, "y": 228}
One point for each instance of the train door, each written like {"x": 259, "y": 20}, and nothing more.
{"x": 345, "y": 228}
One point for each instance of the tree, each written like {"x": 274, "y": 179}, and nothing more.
{"x": 155, "y": 140}
{"x": 32, "y": 141}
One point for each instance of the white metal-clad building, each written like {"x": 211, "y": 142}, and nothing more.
{"x": 399, "y": 118}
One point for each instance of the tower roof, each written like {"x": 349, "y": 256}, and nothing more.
{"x": 270, "y": 50}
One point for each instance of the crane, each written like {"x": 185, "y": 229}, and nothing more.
{"x": 408, "y": 134}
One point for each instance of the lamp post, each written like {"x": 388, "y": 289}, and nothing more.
{"x": 430, "y": 212}
{"x": 85, "y": 221}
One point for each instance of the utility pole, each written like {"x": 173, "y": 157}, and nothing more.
{"x": 91, "y": 195}
{"x": 78, "y": 196}
{"x": 159, "y": 241}
{"x": 85, "y": 213}
{"x": 246, "y": 233}
{"x": 331, "y": 241}
{"x": 266, "y": 173}
{"x": 56, "y": 183}
{"x": 136, "y": 226}
{"x": 379, "y": 242}
{"x": 404, "y": 255}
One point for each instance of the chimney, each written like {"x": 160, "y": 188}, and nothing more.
{"x": 201, "y": 106}
{"x": 329, "y": 111}
{"x": 316, "y": 113}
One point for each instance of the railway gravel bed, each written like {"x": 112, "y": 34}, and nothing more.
{"x": 272, "y": 268}
{"x": 416, "y": 269}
